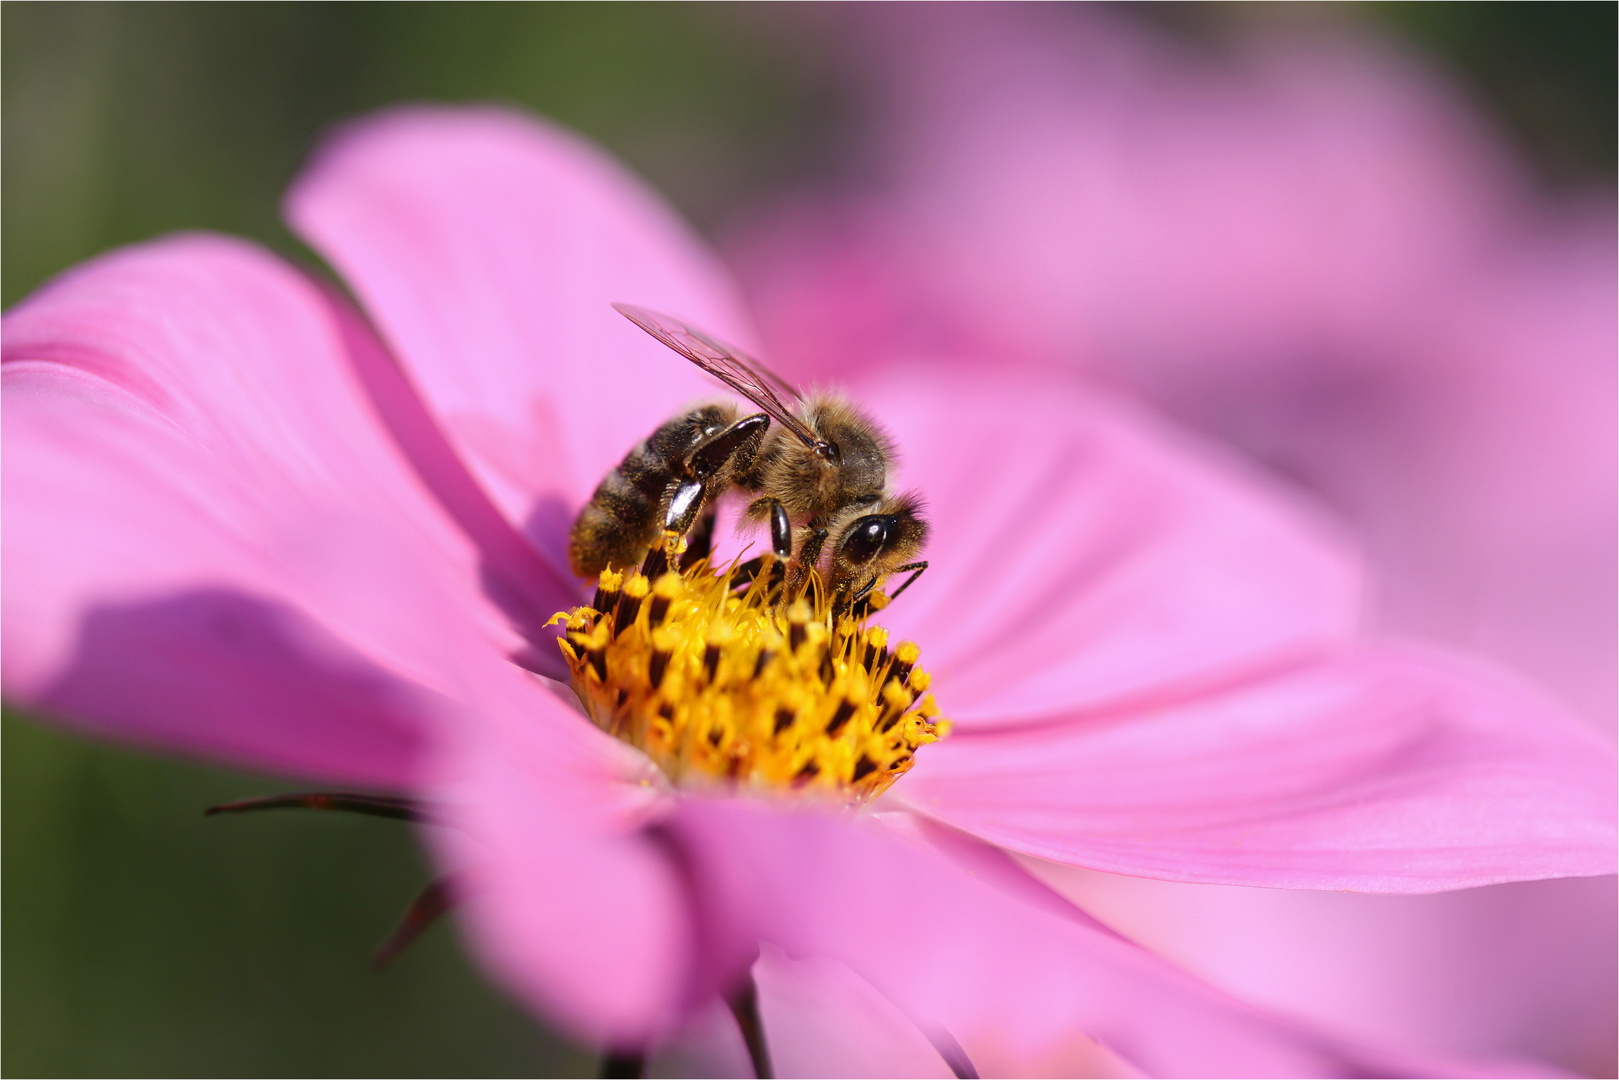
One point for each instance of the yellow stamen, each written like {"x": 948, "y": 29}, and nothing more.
{"x": 724, "y": 684}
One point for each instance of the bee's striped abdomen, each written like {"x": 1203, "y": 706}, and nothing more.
{"x": 622, "y": 519}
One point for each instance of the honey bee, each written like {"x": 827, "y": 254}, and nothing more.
{"x": 818, "y": 474}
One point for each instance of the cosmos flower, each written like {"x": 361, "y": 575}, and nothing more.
{"x": 1303, "y": 242}
{"x": 1309, "y": 244}
{"x": 246, "y": 522}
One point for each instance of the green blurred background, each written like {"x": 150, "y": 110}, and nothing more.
{"x": 142, "y": 939}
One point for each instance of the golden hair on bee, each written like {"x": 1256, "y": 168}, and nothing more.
{"x": 816, "y": 470}
{"x": 809, "y": 485}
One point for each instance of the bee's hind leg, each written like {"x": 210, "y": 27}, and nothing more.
{"x": 687, "y": 506}
{"x": 700, "y": 541}
{"x": 685, "y": 503}
{"x": 712, "y": 455}
{"x": 781, "y": 545}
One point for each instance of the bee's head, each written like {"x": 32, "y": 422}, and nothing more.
{"x": 870, "y": 541}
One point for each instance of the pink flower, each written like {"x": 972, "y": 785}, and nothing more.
{"x": 247, "y": 523}
{"x": 1307, "y": 245}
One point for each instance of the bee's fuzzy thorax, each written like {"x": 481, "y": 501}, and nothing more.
{"x": 809, "y": 485}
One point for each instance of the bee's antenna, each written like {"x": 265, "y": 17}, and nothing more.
{"x": 918, "y": 567}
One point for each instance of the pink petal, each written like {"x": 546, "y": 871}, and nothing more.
{"x": 1069, "y": 186}
{"x": 209, "y": 543}
{"x": 821, "y": 1019}
{"x": 487, "y": 246}
{"x": 840, "y": 286}
{"x": 1382, "y": 771}
{"x": 709, "y": 1044}
{"x": 1527, "y": 967}
{"x": 1486, "y": 481}
{"x": 572, "y": 904}
{"x": 1010, "y": 980}
{"x": 1082, "y": 555}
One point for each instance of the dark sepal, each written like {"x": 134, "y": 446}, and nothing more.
{"x": 439, "y": 897}
{"x": 387, "y": 806}
{"x": 954, "y": 1056}
{"x": 744, "y": 1005}
{"x": 623, "y": 1063}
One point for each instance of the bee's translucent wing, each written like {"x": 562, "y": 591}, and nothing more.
{"x": 731, "y": 366}
{"x": 759, "y": 371}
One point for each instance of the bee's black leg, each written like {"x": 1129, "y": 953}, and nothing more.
{"x": 687, "y": 502}
{"x": 744, "y": 575}
{"x": 707, "y": 459}
{"x": 684, "y": 505}
{"x": 808, "y": 556}
{"x": 781, "y": 531}
{"x": 656, "y": 562}
{"x": 701, "y": 541}
{"x": 781, "y": 543}
{"x": 810, "y": 553}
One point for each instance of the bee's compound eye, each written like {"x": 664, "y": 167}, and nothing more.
{"x": 866, "y": 537}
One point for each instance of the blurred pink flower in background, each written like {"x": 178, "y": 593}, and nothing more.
{"x": 243, "y": 521}
{"x": 1301, "y": 242}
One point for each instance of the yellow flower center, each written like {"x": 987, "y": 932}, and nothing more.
{"x": 725, "y": 681}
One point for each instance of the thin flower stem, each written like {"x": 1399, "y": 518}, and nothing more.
{"x": 954, "y": 1056}
{"x": 744, "y": 1005}
{"x": 623, "y": 1063}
